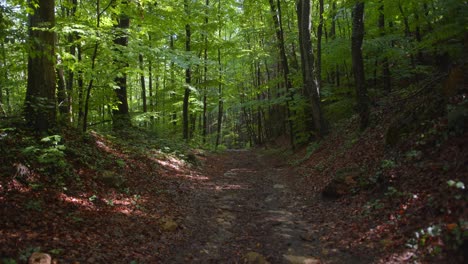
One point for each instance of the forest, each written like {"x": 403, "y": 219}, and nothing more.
{"x": 233, "y": 131}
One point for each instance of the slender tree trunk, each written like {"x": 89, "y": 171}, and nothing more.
{"x": 188, "y": 76}
{"x": 5, "y": 77}
{"x": 319, "y": 47}
{"x": 150, "y": 85}
{"x": 220, "y": 86}
{"x": 205, "y": 76}
{"x": 61, "y": 94}
{"x": 89, "y": 88}
{"x": 70, "y": 73}
{"x": 276, "y": 14}
{"x": 40, "y": 103}
{"x": 385, "y": 65}
{"x": 93, "y": 66}
{"x": 358, "y": 64}
{"x": 174, "y": 113}
{"x": 311, "y": 87}
{"x": 80, "y": 89}
{"x": 143, "y": 85}
{"x": 121, "y": 116}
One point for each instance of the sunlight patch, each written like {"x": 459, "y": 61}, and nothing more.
{"x": 84, "y": 202}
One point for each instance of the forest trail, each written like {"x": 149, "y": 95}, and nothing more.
{"x": 244, "y": 211}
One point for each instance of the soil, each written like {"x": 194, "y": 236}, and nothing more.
{"x": 243, "y": 203}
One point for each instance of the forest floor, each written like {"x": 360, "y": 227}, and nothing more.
{"x": 243, "y": 209}
{"x": 131, "y": 198}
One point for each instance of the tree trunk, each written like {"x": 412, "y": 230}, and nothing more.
{"x": 70, "y": 73}
{"x": 220, "y": 86}
{"x": 358, "y": 64}
{"x": 205, "y": 75}
{"x": 121, "y": 115}
{"x": 142, "y": 81}
{"x": 311, "y": 87}
{"x": 172, "y": 81}
{"x": 385, "y": 65}
{"x": 150, "y": 85}
{"x": 40, "y": 103}
{"x": 319, "y": 47}
{"x": 62, "y": 94}
{"x": 188, "y": 77}
{"x": 5, "y": 77}
{"x": 276, "y": 14}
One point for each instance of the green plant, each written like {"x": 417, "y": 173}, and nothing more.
{"x": 457, "y": 185}
{"x": 392, "y": 192}
{"x": 413, "y": 154}
{"x": 24, "y": 254}
{"x": 120, "y": 163}
{"x": 35, "y": 205}
{"x": 428, "y": 239}
{"x": 48, "y": 156}
{"x": 92, "y": 198}
{"x": 372, "y": 206}
{"x": 457, "y": 234}
{"x": 387, "y": 164}
{"x": 56, "y": 251}
{"x": 8, "y": 261}
{"x": 311, "y": 148}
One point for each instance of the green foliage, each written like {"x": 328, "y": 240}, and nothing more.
{"x": 25, "y": 253}
{"x": 49, "y": 156}
{"x": 372, "y": 206}
{"x": 35, "y": 205}
{"x": 387, "y": 164}
{"x": 311, "y": 148}
{"x": 8, "y": 261}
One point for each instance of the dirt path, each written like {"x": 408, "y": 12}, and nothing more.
{"x": 243, "y": 207}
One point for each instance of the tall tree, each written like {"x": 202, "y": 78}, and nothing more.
{"x": 358, "y": 64}
{"x": 142, "y": 82}
{"x": 385, "y": 64}
{"x": 276, "y": 14}
{"x": 220, "y": 86}
{"x": 121, "y": 114}
{"x": 188, "y": 75}
{"x": 310, "y": 79}
{"x": 40, "y": 103}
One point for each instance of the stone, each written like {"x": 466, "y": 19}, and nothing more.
{"x": 301, "y": 260}
{"x": 169, "y": 225}
{"x": 254, "y": 258}
{"x": 40, "y": 258}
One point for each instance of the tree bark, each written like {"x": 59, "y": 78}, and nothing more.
{"x": 121, "y": 115}
{"x": 188, "y": 77}
{"x": 358, "y": 64}
{"x": 40, "y": 103}
{"x": 220, "y": 86}
{"x": 311, "y": 85}
{"x": 385, "y": 65}
{"x": 205, "y": 76}
{"x": 5, "y": 77}
{"x": 62, "y": 94}
{"x": 142, "y": 81}
{"x": 276, "y": 14}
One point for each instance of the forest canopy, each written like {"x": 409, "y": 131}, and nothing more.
{"x": 229, "y": 72}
